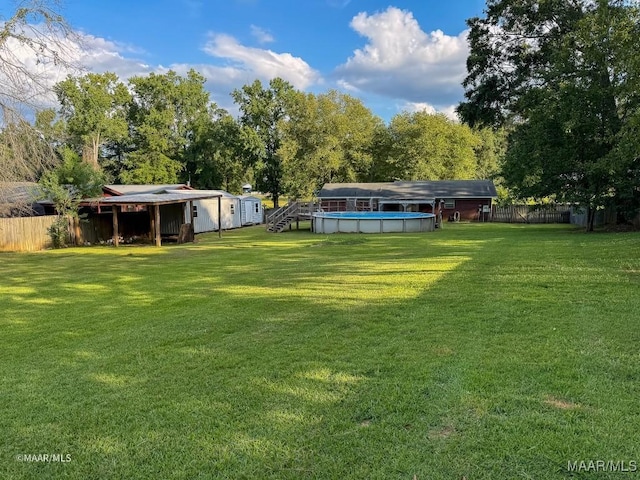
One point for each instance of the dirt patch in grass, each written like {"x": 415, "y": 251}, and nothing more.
{"x": 561, "y": 404}
{"x": 443, "y": 351}
{"x": 441, "y": 432}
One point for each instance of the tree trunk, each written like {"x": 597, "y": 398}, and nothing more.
{"x": 276, "y": 204}
{"x": 90, "y": 152}
{"x": 89, "y": 155}
{"x": 591, "y": 216}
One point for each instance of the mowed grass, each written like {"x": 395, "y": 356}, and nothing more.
{"x": 482, "y": 351}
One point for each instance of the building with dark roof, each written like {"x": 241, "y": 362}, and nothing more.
{"x": 459, "y": 199}
{"x": 19, "y": 199}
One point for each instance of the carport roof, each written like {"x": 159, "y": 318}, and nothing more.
{"x": 142, "y": 189}
{"x": 150, "y": 199}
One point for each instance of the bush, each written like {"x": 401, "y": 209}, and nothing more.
{"x": 59, "y": 232}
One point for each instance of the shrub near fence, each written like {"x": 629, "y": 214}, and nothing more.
{"x": 524, "y": 214}
{"x": 25, "y": 234}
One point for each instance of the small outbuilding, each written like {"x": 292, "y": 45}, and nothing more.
{"x": 166, "y": 214}
{"x": 206, "y": 210}
{"x": 251, "y": 210}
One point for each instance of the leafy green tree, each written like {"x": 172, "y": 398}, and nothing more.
{"x": 67, "y": 185}
{"x": 563, "y": 77}
{"x": 51, "y": 128}
{"x": 215, "y": 159}
{"x": 626, "y": 161}
{"x": 327, "y": 138}
{"x": 262, "y": 111}
{"x": 489, "y": 152}
{"x": 382, "y": 167}
{"x": 94, "y": 107}
{"x": 164, "y": 116}
{"x": 423, "y": 146}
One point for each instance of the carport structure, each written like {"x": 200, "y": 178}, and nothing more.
{"x": 152, "y": 203}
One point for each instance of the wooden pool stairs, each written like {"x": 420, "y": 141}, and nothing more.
{"x": 278, "y": 220}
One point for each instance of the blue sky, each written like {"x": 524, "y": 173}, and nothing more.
{"x": 403, "y": 55}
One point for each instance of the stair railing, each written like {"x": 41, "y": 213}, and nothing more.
{"x": 281, "y": 213}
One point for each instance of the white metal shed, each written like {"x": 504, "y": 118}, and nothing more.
{"x": 251, "y": 210}
{"x": 206, "y": 211}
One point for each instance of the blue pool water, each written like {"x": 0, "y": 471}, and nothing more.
{"x": 375, "y": 215}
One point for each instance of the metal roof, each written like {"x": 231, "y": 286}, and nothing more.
{"x": 19, "y": 192}
{"x": 409, "y": 190}
{"x": 142, "y": 189}
{"x": 247, "y": 197}
{"x": 150, "y": 199}
{"x": 221, "y": 193}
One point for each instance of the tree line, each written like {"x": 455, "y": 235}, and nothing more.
{"x": 164, "y": 128}
{"x": 551, "y": 111}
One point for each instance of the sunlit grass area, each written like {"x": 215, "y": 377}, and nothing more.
{"x": 478, "y": 351}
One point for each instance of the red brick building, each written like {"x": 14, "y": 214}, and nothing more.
{"x": 470, "y": 200}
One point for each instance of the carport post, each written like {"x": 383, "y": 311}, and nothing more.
{"x": 156, "y": 214}
{"x": 152, "y": 224}
{"x": 219, "y": 218}
{"x": 116, "y": 235}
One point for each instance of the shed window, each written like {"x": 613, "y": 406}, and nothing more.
{"x": 232, "y": 208}
{"x": 195, "y": 211}
{"x": 450, "y": 203}
{"x": 257, "y": 208}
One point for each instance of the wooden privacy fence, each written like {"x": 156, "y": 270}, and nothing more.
{"x": 524, "y": 214}
{"x": 25, "y": 234}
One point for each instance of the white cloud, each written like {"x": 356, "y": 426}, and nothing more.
{"x": 240, "y": 65}
{"x": 78, "y": 53}
{"x": 261, "y": 35}
{"x": 100, "y": 55}
{"x": 449, "y": 111}
{"x": 344, "y": 85}
{"x": 418, "y": 107}
{"x": 402, "y": 61}
{"x": 259, "y": 63}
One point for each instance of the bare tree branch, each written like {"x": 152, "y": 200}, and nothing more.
{"x": 36, "y": 44}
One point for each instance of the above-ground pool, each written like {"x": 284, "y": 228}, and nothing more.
{"x": 373, "y": 222}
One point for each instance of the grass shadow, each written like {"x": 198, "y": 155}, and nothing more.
{"x": 309, "y": 356}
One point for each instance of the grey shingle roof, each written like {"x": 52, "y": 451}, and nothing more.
{"x": 408, "y": 190}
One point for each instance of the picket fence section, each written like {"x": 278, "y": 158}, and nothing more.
{"x": 524, "y": 214}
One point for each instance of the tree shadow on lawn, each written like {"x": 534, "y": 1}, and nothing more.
{"x": 339, "y": 361}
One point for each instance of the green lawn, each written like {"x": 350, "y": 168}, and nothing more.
{"x": 480, "y": 351}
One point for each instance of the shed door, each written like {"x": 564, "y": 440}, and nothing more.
{"x": 244, "y": 206}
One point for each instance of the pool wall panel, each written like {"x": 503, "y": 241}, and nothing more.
{"x": 333, "y": 223}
